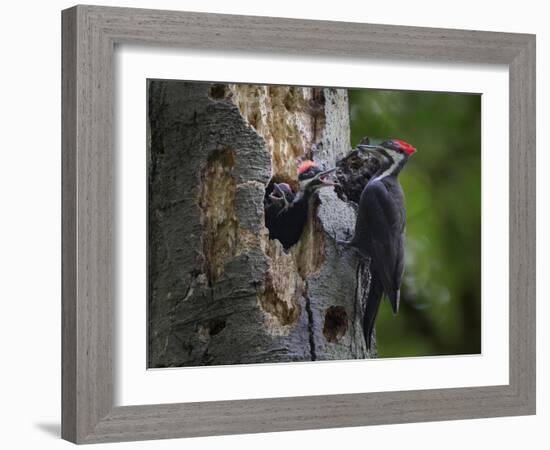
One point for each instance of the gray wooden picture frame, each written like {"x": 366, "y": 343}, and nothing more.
{"x": 89, "y": 37}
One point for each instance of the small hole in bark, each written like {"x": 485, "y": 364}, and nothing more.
{"x": 336, "y": 324}
{"x": 217, "y": 91}
{"x": 292, "y": 99}
{"x": 319, "y": 96}
{"x": 210, "y": 328}
{"x": 216, "y": 326}
{"x": 254, "y": 119}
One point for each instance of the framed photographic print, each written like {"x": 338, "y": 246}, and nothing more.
{"x": 264, "y": 229}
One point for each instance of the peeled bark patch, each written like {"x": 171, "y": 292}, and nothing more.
{"x": 219, "y": 220}
{"x": 289, "y": 118}
{"x": 309, "y": 252}
{"x": 282, "y": 291}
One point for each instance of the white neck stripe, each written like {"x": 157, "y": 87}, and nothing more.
{"x": 397, "y": 158}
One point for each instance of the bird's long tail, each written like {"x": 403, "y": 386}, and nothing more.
{"x": 374, "y": 298}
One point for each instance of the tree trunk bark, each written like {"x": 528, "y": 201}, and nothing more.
{"x": 219, "y": 290}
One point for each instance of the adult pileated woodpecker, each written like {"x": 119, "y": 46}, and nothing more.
{"x": 380, "y": 228}
{"x": 286, "y": 220}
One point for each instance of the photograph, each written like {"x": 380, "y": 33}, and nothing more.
{"x": 294, "y": 223}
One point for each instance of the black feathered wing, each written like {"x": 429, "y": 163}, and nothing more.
{"x": 379, "y": 233}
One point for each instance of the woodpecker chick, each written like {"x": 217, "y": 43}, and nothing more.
{"x": 311, "y": 177}
{"x": 380, "y": 228}
{"x": 286, "y": 214}
{"x": 282, "y": 195}
{"x": 275, "y": 203}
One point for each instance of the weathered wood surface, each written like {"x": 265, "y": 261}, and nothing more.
{"x": 220, "y": 291}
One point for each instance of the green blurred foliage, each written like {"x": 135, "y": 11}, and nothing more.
{"x": 440, "y": 311}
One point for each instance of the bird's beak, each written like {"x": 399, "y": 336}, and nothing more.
{"x": 276, "y": 193}
{"x": 281, "y": 197}
{"x": 322, "y": 177}
{"x": 369, "y": 148}
{"x": 375, "y": 150}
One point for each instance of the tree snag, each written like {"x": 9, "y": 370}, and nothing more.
{"x": 219, "y": 290}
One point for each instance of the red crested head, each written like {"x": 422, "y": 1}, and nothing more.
{"x": 305, "y": 166}
{"x": 404, "y": 146}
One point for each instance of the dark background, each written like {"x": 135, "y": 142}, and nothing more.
{"x": 440, "y": 310}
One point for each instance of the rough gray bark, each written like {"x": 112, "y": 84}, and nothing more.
{"x": 219, "y": 291}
